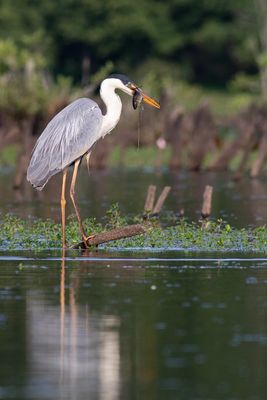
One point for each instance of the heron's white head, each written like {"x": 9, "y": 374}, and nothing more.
{"x": 122, "y": 82}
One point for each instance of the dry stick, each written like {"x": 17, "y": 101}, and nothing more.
{"x": 114, "y": 234}
{"x": 207, "y": 198}
{"x": 150, "y": 198}
{"x": 161, "y": 200}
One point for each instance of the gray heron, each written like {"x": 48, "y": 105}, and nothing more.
{"x": 71, "y": 135}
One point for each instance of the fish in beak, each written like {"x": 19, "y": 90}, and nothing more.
{"x": 140, "y": 96}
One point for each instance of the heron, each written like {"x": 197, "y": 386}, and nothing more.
{"x": 72, "y": 134}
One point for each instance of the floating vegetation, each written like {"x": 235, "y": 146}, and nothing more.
{"x": 209, "y": 235}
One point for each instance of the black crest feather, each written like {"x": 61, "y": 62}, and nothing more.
{"x": 125, "y": 80}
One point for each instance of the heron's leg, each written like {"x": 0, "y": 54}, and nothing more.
{"x": 63, "y": 208}
{"x": 72, "y": 196}
{"x": 87, "y": 156}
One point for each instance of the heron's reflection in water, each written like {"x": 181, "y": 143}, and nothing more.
{"x": 72, "y": 350}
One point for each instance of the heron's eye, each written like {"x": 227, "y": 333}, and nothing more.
{"x": 130, "y": 85}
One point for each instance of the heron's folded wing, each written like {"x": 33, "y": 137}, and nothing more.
{"x": 68, "y": 136}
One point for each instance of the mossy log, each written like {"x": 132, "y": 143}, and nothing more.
{"x": 115, "y": 234}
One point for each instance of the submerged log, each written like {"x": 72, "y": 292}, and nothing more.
{"x": 115, "y": 234}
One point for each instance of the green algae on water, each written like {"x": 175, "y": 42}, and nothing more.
{"x": 37, "y": 234}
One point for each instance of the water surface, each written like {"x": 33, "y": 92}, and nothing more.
{"x": 132, "y": 326}
{"x": 240, "y": 203}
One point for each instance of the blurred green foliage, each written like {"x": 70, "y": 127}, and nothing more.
{"x": 192, "y": 49}
{"x": 138, "y": 157}
{"x": 9, "y": 154}
{"x": 25, "y": 87}
{"x": 207, "y": 42}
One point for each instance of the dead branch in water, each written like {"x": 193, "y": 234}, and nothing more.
{"x": 130, "y": 230}
{"x": 207, "y": 198}
{"x": 151, "y": 210}
{"x": 150, "y": 198}
{"x": 115, "y": 234}
{"x": 161, "y": 200}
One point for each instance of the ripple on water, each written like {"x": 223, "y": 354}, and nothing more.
{"x": 243, "y": 338}
{"x": 251, "y": 280}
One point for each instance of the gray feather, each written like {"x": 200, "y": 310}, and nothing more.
{"x": 67, "y": 137}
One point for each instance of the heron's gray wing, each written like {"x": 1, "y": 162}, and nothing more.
{"x": 68, "y": 136}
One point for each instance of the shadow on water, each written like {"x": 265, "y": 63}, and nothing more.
{"x": 111, "y": 326}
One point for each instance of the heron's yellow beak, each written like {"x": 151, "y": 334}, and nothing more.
{"x": 150, "y": 101}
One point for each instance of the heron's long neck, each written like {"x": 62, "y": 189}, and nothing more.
{"x": 113, "y": 106}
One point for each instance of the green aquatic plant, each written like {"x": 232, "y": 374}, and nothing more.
{"x": 38, "y": 234}
{"x": 114, "y": 218}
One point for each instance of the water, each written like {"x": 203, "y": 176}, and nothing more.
{"x": 240, "y": 203}
{"x": 134, "y": 325}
